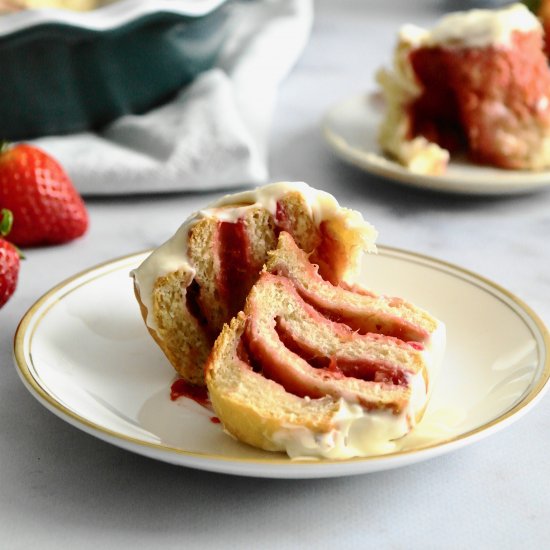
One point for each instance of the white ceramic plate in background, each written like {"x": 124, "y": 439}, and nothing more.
{"x": 83, "y": 351}
{"x": 351, "y": 127}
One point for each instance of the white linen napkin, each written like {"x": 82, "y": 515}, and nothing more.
{"x": 214, "y": 134}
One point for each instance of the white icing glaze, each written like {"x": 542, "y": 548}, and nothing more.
{"x": 172, "y": 255}
{"x": 474, "y": 28}
{"x": 358, "y": 432}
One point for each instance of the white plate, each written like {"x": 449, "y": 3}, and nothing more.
{"x": 82, "y": 350}
{"x": 351, "y": 127}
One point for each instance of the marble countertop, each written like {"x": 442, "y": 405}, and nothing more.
{"x": 62, "y": 488}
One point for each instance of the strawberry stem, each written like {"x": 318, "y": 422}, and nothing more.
{"x": 5, "y": 222}
{"x": 4, "y": 146}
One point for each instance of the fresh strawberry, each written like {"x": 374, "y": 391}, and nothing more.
{"x": 9, "y": 259}
{"x": 46, "y": 207}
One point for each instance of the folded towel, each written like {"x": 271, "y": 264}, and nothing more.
{"x": 214, "y": 134}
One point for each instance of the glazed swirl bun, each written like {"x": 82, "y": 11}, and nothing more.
{"x": 199, "y": 279}
{"x": 477, "y": 83}
{"x": 316, "y": 369}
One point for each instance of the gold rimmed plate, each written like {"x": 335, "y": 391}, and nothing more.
{"x": 82, "y": 350}
{"x": 350, "y": 128}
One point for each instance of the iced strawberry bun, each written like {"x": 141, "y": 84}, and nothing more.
{"x": 256, "y": 297}
{"x": 479, "y": 83}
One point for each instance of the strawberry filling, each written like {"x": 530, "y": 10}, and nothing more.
{"x": 363, "y": 311}
{"x": 275, "y": 361}
{"x": 194, "y": 304}
{"x": 368, "y": 369}
{"x": 282, "y": 218}
{"x": 365, "y": 323}
{"x": 238, "y": 269}
{"x": 435, "y": 114}
{"x": 490, "y": 101}
{"x": 309, "y": 355}
{"x": 329, "y": 253}
{"x": 182, "y": 388}
{"x": 236, "y": 275}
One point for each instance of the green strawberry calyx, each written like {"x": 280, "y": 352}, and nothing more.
{"x": 4, "y": 146}
{"x": 6, "y": 221}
